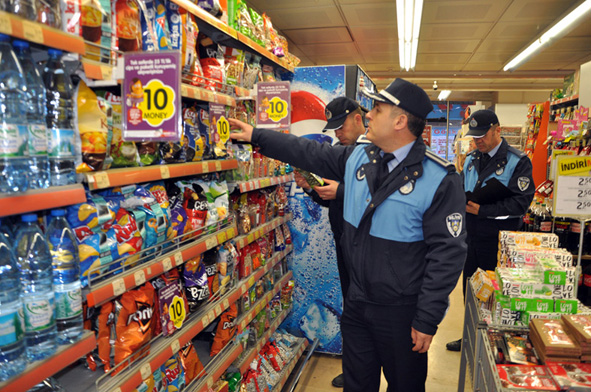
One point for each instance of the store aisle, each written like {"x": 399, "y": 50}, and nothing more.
{"x": 443, "y": 365}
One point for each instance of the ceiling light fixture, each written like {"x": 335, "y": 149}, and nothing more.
{"x": 409, "y": 14}
{"x": 443, "y": 95}
{"x": 556, "y": 31}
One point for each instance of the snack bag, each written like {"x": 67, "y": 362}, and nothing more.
{"x": 258, "y": 27}
{"x": 226, "y": 264}
{"x": 104, "y": 338}
{"x": 178, "y": 215}
{"x": 128, "y": 238}
{"x": 172, "y": 152}
{"x": 94, "y": 251}
{"x": 225, "y": 330}
{"x": 196, "y": 207}
{"x": 128, "y": 29}
{"x": 210, "y": 263}
{"x": 153, "y": 24}
{"x": 124, "y": 154}
{"x": 87, "y": 218}
{"x": 192, "y": 366}
{"x": 234, "y": 64}
{"x": 192, "y": 143}
{"x": 204, "y": 132}
{"x": 195, "y": 283}
{"x": 252, "y": 70}
{"x": 211, "y": 56}
{"x": 189, "y": 49}
{"x": 244, "y": 21}
{"x": 134, "y": 322}
{"x": 148, "y": 152}
{"x": 93, "y": 130}
{"x": 173, "y": 372}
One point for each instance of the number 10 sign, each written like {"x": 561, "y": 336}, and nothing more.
{"x": 151, "y": 96}
{"x": 572, "y": 190}
{"x": 273, "y": 105}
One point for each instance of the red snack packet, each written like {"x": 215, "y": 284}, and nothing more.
{"x": 103, "y": 339}
{"x": 225, "y": 330}
{"x": 192, "y": 366}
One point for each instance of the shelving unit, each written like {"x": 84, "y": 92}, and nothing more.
{"x": 565, "y": 100}
{"x": 41, "y": 199}
{"x": 39, "y": 33}
{"x": 40, "y": 370}
{"x": 247, "y": 186}
{"x": 253, "y": 235}
{"x": 286, "y": 372}
{"x": 202, "y": 94}
{"x": 136, "y": 175}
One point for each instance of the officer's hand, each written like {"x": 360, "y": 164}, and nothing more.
{"x": 472, "y": 208}
{"x": 328, "y": 191}
{"x": 245, "y": 133}
{"x": 422, "y": 341}
{"x": 301, "y": 181}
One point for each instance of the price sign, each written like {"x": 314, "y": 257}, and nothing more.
{"x": 177, "y": 312}
{"x": 273, "y": 105}
{"x": 118, "y": 287}
{"x": 140, "y": 278}
{"x": 5, "y": 24}
{"x": 172, "y": 308}
{"x": 152, "y": 101}
{"x": 32, "y": 32}
{"x": 223, "y": 129}
{"x": 572, "y": 189}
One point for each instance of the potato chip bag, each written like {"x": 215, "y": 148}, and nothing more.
{"x": 234, "y": 64}
{"x": 211, "y": 56}
{"x": 210, "y": 258}
{"x": 148, "y": 152}
{"x": 196, "y": 207}
{"x": 175, "y": 376}
{"x": 153, "y": 24}
{"x": 178, "y": 215}
{"x": 104, "y": 336}
{"x": 127, "y": 21}
{"x": 134, "y": 312}
{"x": 87, "y": 218}
{"x": 128, "y": 239}
{"x": 192, "y": 366}
{"x": 124, "y": 154}
{"x": 193, "y": 143}
{"x": 189, "y": 49}
{"x": 195, "y": 283}
{"x": 95, "y": 251}
{"x": 225, "y": 330}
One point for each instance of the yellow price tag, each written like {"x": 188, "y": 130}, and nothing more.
{"x": 218, "y": 166}
{"x": 223, "y": 129}
{"x": 106, "y": 72}
{"x": 167, "y": 264}
{"x": 5, "y": 24}
{"x": 222, "y": 237}
{"x": 149, "y": 271}
{"x": 205, "y": 167}
{"x": 118, "y": 287}
{"x": 164, "y": 171}
{"x": 277, "y": 109}
{"x": 205, "y": 320}
{"x": 231, "y": 232}
{"x": 218, "y": 310}
{"x": 32, "y": 32}
{"x": 158, "y": 104}
{"x": 243, "y": 325}
{"x": 250, "y": 238}
{"x": 178, "y": 258}
{"x": 140, "y": 278}
{"x": 177, "y": 311}
{"x": 243, "y": 289}
{"x": 226, "y": 304}
{"x": 101, "y": 180}
{"x": 175, "y": 346}
{"x": 146, "y": 371}
{"x": 209, "y": 382}
{"x": 251, "y": 281}
{"x": 211, "y": 316}
{"x": 211, "y": 242}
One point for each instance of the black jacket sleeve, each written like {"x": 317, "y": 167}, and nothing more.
{"x": 446, "y": 253}
{"x": 319, "y": 158}
{"x": 317, "y": 199}
{"x": 517, "y": 204}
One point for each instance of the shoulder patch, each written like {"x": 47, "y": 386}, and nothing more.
{"x": 440, "y": 161}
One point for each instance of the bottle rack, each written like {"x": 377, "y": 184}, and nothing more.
{"x": 247, "y": 186}
{"x": 40, "y": 370}
{"x": 41, "y": 199}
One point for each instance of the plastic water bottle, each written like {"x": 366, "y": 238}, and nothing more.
{"x": 34, "y": 262}
{"x": 12, "y": 327}
{"x": 66, "y": 278}
{"x": 39, "y": 170}
{"x": 59, "y": 120}
{"x": 5, "y": 232}
{"x": 14, "y": 149}
{"x": 23, "y": 8}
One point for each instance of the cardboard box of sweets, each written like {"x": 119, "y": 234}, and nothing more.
{"x": 553, "y": 342}
{"x": 522, "y": 377}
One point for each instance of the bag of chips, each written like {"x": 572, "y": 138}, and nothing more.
{"x": 127, "y": 20}
{"x": 234, "y": 63}
{"x": 190, "y": 362}
{"x": 225, "y": 330}
{"x": 105, "y": 335}
{"x": 211, "y": 56}
{"x": 195, "y": 283}
{"x": 175, "y": 376}
{"x": 148, "y": 152}
{"x": 193, "y": 143}
{"x": 123, "y": 154}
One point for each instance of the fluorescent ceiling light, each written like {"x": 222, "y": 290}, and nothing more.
{"x": 409, "y": 13}
{"x": 443, "y": 95}
{"x": 556, "y": 31}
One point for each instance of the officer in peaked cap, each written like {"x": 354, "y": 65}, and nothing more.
{"x": 403, "y": 236}
{"x": 503, "y": 209}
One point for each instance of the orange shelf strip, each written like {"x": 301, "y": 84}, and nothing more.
{"x": 202, "y": 94}
{"x": 205, "y": 16}
{"x": 121, "y": 283}
{"x": 40, "y": 370}
{"x": 96, "y": 70}
{"x": 259, "y": 183}
{"x": 564, "y": 100}
{"x": 136, "y": 175}
{"x": 41, "y": 199}
{"x": 241, "y": 91}
{"x": 253, "y": 235}
{"x": 39, "y": 33}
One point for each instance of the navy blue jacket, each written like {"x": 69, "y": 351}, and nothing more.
{"x": 403, "y": 243}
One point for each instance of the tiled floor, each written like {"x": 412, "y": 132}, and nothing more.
{"x": 443, "y": 365}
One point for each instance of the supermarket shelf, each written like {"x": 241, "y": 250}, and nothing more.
{"x": 206, "y": 17}
{"x": 202, "y": 94}
{"x": 136, "y": 175}
{"x": 286, "y": 372}
{"x": 41, "y": 199}
{"x": 241, "y": 92}
{"x": 97, "y": 70}
{"x": 247, "y": 186}
{"x": 259, "y": 49}
{"x": 118, "y": 284}
{"x": 247, "y": 359}
{"x": 39, "y": 33}
{"x": 245, "y": 239}
{"x": 570, "y": 99}
{"x": 221, "y": 364}
{"x": 40, "y": 370}
{"x": 162, "y": 348}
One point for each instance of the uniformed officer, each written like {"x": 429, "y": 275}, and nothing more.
{"x": 493, "y": 158}
{"x": 403, "y": 235}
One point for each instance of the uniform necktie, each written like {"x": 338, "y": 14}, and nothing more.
{"x": 484, "y": 159}
{"x": 383, "y": 170}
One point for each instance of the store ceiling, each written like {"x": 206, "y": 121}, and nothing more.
{"x": 463, "y": 44}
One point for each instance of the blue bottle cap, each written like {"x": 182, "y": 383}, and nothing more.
{"x": 17, "y": 43}
{"x": 54, "y": 52}
{"x": 4, "y": 38}
{"x": 29, "y": 218}
{"x": 58, "y": 212}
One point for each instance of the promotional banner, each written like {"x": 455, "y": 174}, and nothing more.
{"x": 152, "y": 96}
{"x": 273, "y": 105}
{"x": 318, "y": 302}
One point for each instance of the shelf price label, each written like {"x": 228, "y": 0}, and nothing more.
{"x": 167, "y": 264}
{"x": 178, "y": 259}
{"x": 273, "y": 102}
{"x": 118, "y": 287}
{"x": 32, "y": 32}
{"x": 164, "y": 171}
{"x": 101, "y": 180}
{"x": 5, "y": 24}
{"x": 572, "y": 189}
{"x": 211, "y": 242}
{"x": 146, "y": 371}
{"x": 140, "y": 277}
{"x": 152, "y": 101}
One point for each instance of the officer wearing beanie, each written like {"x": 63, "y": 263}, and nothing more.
{"x": 493, "y": 158}
{"x": 346, "y": 118}
{"x": 403, "y": 236}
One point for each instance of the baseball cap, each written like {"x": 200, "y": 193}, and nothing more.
{"x": 480, "y": 122}
{"x": 337, "y": 111}
{"x": 405, "y": 95}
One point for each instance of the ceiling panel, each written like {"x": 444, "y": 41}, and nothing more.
{"x": 500, "y": 46}
{"x": 439, "y": 59}
{"x": 302, "y": 18}
{"x": 568, "y": 44}
{"x": 524, "y": 31}
{"x": 463, "y": 11}
{"x": 265, "y": 5}
{"x": 445, "y": 46}
{"x": 540, "y": 11}
{"x": 374, "y": 33}
{"x": 484, "y": 57}
{"x": 458, "y": 31}
{"x": 370, "y": 14}
{"x": 321, "y": 36}
{"x": 324, "y": 50}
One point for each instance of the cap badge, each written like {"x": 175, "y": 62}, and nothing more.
{"x": 328, "y": 114}
{"x": 473, "y": 123}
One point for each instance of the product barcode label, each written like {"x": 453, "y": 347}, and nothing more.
{"x": 209, "y": 382}
{"x": 5, "y": 25}
{"x": 218, "y": 166}
{"x": 167, "y": 264}
{"x": 175, "y": 346}
{"x": 178, "y": 258}
{"x": 218, "y": 310}
{"x": 251, "y": 281}
{"x": 146, "y": 371}
{"x": 32, "y": 32}
{"x": 231, "y": 232}
{"x": 211, "y": 316}
{"x": 164, "y": 171}
{"x": 106, "y": 72}
{"x": 222, "y": 237}
{"x": 205, "y": 167}
{"x": 140, "y": 278}
{"x": 226, "y": 304}
{"x": 211, "y": 242}
{"x": 118, "y": 287}
{"x": 101, "y": 180}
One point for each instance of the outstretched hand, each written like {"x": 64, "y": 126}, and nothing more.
{"x": 245, "y": 133}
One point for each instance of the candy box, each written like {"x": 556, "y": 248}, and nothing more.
{"x": 570, "y": 374}
{"x": 526, "y": 377}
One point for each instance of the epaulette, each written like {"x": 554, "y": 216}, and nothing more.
{"x": 440, "y": 161}
{"x": 515, "y": 151}
{"x": 362, "y": 140}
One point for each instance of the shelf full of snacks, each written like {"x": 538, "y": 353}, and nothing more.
{"x": 245, "y": 239}
{"x": 566, "y": 101}
{"x": 38, "y": 371}
{"x": 41, "y": 199}
{"x": 286, "y": 372}
{"x": 247, "y": 186}
{"x": 202, "y": 94}
{"x": 132, "y": 175}
{"x": 38, "y": 33}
